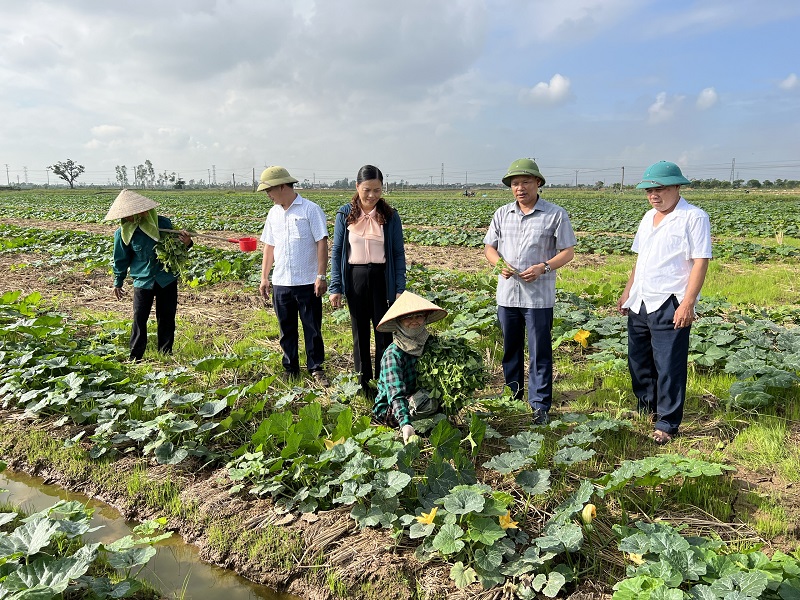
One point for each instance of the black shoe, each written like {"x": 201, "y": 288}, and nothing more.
{"x": 540, "y": 416}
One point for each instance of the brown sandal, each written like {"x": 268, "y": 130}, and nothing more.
{"x": 661, "y": 437}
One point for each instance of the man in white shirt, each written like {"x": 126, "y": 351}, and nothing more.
{"x": 673, "y": 244}
{"x": 295, "y": 240}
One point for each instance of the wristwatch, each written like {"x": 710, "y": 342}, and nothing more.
{"x": 322, "y": 277}
{"x": 547, "y": 268}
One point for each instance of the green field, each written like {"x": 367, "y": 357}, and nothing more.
{"x": 484, "y": 500}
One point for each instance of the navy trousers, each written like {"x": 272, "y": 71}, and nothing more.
{"x": 291, "y": 301}
{"x": 166, "y": 300}
{"x": 657, "y": 359}
{"x": 537, "y": 323}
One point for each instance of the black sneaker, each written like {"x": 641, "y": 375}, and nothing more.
{"x": 540, "y": 416}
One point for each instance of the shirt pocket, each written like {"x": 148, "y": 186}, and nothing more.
{"x": 676, "y": 245}
{"x": 299, "y": 228}
{"x": 535, "y": 238}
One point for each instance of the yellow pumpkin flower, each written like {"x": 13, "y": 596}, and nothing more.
{"x": 428, "y": 518}
{"x": 588, "y": 513}
{"x": 330, "y": 444}
{"x": 636, "y": 558}
{"x": 582, "y": 337}
{"x": 506, "y": 522}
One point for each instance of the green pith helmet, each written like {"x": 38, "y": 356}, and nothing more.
{"x": 522, "y": 166}
{"x": 273, "y": 176}
{"x": 662, "y": 173}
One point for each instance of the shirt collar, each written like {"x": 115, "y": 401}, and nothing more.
{"x": 514, "y": 206}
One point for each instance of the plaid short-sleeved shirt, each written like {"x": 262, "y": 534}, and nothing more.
{"x": 525, "y": 240}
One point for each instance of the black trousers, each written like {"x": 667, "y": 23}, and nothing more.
{"x": 366, "y": 299}
{"x": 166, "y": 299}
{"x": 291, "y": 301}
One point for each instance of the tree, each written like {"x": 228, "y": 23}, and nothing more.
{"x": 68, "y": 170}
{"x": 122, "y": 175}
{"x": 139, "y": 176}
{"x": 151, "y": 173}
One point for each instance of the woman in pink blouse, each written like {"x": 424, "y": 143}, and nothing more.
{"x": 368, "y": 267}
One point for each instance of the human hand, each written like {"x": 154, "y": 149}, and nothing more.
{"x": 184, "y": 237}
{"x": 532, "y": 273}
{"x": 504, "y": 268}
{"x": 507, "y": 272}
{"x": 264, "y": 288}
{"x": 684, "y": 316}
{"x": 622, "y": 300}
{"x": 336, "y": 301}
{"x": 320, "y": 287}
{"x": 118, "y": 293}
{"x": 407, "y": 432}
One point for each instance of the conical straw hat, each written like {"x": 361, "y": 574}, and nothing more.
{"x": 407, "y": 304}
{"x": 129, "y": 203}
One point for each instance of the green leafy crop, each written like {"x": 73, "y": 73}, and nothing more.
{"x": 451, "y": 370}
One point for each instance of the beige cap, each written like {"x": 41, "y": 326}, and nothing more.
{"x": 129, "y": 203}
{"x": 273, "y": 176}
{"x": 409, "y": 303}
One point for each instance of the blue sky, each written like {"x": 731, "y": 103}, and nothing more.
{"x": 323, "y": 87}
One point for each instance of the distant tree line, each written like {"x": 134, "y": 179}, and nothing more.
{"x": 750, "y": 183}
{"x": 701, "y": 184}
{"x": 145, "y": 176}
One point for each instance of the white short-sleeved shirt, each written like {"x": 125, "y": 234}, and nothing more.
{"x": 294, "y": 233}
{"x": 524, "y": 240}
{"x": 666, "y": 255}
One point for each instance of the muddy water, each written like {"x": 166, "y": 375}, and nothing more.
{"x": 176, "y": 571}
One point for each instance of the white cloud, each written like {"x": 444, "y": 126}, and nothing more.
{"x": 791, "y": 82}
{"x": 563, "y": 22}
{"x": 556, "y": 92}
{"x": 106, "y": 130}
{"x": 707, "y": 98}
{"x": 326, "y": 86}
{"x": 664, "y": 108}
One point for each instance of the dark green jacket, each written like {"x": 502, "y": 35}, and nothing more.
{"x": 139, "y": 258}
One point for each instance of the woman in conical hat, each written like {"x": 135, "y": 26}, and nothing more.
{"x": 397, "y": 383}
{"x": 134, "y": 253}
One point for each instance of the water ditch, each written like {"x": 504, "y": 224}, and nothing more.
{"x": 176, "y": 571}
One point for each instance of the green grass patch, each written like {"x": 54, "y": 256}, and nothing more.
{"x": 765, "y": 445}
{"x": 768, "y": 518}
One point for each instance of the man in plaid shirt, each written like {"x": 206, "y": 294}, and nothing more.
{"x": 533, "y": 238}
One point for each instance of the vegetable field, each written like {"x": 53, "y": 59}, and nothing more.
{"x": 292, "y": 485}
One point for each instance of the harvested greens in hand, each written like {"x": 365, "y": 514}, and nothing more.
{"x": 451, "y": 371}
{"x": 172, "y": 253}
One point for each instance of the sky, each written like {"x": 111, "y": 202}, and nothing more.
{"x": 427, "y": 90}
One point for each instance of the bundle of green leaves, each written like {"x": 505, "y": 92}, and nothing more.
{"x": 451, "y": 370}
{"x": 172, "y": 253}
